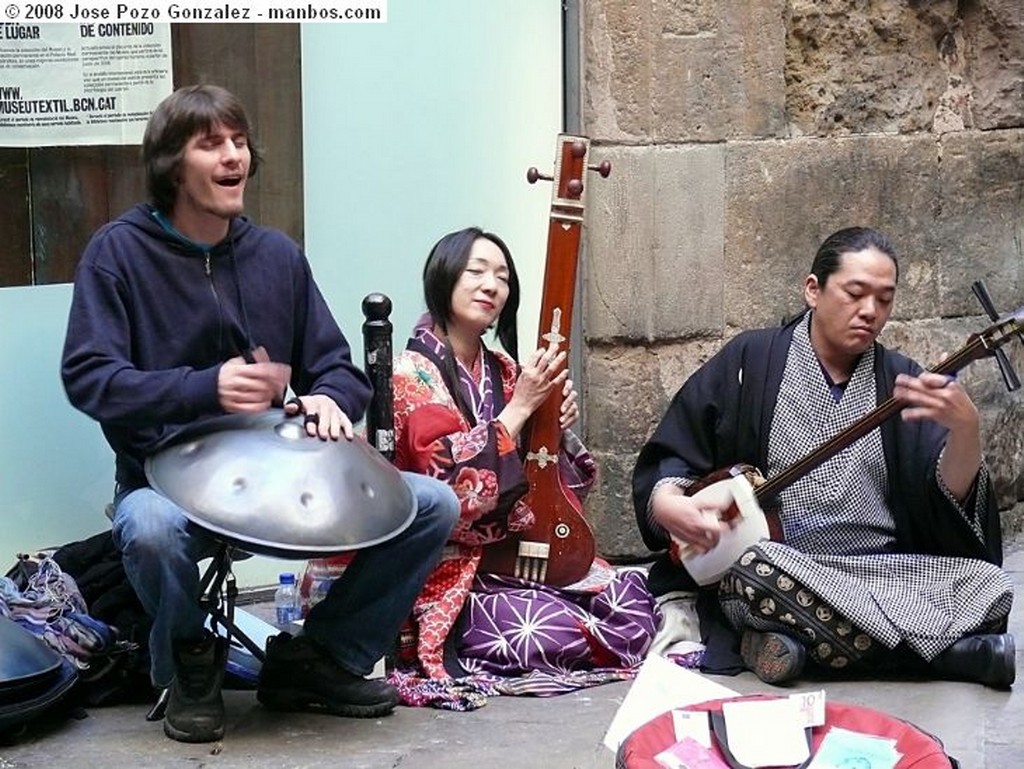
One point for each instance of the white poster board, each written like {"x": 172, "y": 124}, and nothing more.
{"x": 88, "y": 83}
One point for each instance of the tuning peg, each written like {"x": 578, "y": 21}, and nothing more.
{"x": 604, "y": 168}
{"x": 1010, "y": 377}
{"x": 985, "y": 299}
{"x": 532, "y": 175}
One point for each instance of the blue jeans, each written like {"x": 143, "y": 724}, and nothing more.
{"x": 357, "y": 621}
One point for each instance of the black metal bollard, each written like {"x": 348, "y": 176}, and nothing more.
{"x": 380, "y": 416}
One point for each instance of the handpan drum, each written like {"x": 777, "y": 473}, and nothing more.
{"x": 23, "y": 657}
{"x": 260, "y": 482}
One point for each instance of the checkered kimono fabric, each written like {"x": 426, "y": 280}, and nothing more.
{"x": 837, "y": 563}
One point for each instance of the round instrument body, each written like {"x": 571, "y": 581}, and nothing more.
{"x": 750, "y": 527}
{"x": 260, "y": 482}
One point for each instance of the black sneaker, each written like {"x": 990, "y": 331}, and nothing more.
{"x": 773, "y": 657}
{"x": 299, "y": 674}
{"x": 195, "y": 708}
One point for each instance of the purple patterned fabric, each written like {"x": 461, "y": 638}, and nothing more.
{"x": 526, "y": 639}
{"x": 515, "y": 627}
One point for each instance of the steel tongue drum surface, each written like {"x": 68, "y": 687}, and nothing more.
{"x": 259, "y": 481}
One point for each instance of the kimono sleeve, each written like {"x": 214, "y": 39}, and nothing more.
{"x": 481, "y": 463}
{"x": 686, "y": 442}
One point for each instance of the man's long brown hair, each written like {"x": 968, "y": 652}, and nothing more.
{"x": 186, "y": 112}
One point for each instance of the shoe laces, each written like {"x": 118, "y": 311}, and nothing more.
{"x": 196, "y": 673}
{"x": 315, "y": 658}
{"x": 196, "y": 681}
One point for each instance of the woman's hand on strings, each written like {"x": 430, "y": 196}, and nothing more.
{"x": 543, "y": 371}
{"x": 570, "y": 412}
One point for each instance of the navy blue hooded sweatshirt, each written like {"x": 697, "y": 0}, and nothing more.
{"x": 154, "y": 316}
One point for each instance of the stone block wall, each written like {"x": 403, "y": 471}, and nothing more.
{"x": 743, "y": 134}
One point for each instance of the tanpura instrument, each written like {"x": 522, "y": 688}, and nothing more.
{"x": 559, "y": 548}
{"x": 752, "y": 516}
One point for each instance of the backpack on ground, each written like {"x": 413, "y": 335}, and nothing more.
{"x": 95, "y": 565}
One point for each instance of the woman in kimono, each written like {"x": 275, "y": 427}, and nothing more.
{"x": 460, "y": 408}
{"x": 890, "y": 550}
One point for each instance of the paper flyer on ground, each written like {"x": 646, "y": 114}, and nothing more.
{"x": 659, "y": 686}
{"x": 87, "y": 83}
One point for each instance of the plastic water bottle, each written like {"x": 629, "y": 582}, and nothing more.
{"x": 286, "y": 601}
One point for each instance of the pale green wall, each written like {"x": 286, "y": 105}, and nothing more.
{"x": 422, "y": 126}
{"x": 411, "y": 129}
{"x": 56, "y": 470}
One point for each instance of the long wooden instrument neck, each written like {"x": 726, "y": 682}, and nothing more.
{"x": 556, "y": 308}
{"x": 555, "y": 326}
{"x": 975, "y": 348}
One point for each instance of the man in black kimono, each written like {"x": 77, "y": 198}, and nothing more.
{"x": 890, "y": 550}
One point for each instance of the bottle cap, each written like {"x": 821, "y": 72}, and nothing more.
{"x": 287, "y": 578}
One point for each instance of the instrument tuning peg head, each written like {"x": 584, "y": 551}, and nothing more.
{"x": 574, "y": 188}
{"x": 984, "y": 299}
{"x": 532, "y": 175}
{"x": 579, "y": 149}
{"x": 1010, "y": 378}
{"x": 604, "y": 168}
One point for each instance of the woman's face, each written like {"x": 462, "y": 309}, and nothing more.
{"x": 481, "y": 291}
